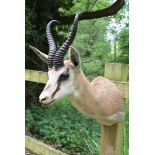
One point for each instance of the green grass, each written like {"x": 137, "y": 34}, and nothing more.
{"x": 63, "y": 127}
{"x": 126, "y": 130}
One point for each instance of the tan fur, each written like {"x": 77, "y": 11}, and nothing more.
{"x": 99, "y": 99}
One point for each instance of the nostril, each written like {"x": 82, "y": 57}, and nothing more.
{"x": 43, "y": 99}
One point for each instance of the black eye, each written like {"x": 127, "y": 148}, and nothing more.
{"x": 64, "y": 76}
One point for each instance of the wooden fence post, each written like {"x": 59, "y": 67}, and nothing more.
{"x": 112, "y": 136}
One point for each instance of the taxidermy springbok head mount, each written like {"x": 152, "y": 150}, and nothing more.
{"x": 61, "y": 73}
{"x": 99, "y": 99}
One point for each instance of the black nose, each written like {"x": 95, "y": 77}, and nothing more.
{"x": 43, "y": 99}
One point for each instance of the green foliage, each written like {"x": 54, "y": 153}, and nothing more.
{"x": 37, "y": 15}
{"x": 93, "y": 47}
{"x": 92, "y": 38}
{"x": 83, "y": 5}
{"x": 117, "y": 32}
{"x": 124, "y": 45}
{"x": 29, "y": 120}
{"x": 64, "y": 127}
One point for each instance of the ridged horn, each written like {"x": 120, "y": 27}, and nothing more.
{"x": 51, "y": 42}
{"x": 59, "y": 56}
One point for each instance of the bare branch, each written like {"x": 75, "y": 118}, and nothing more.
{"x": 113, "y": 9}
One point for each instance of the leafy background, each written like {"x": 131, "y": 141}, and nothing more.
{"x": 98, "y": 41}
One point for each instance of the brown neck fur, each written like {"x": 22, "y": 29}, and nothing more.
{"x": 83, "y": 98}
{"x": 99, "y": 99}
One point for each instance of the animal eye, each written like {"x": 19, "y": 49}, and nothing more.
{"x": 64, "y": 76}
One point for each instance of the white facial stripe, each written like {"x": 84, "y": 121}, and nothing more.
{"x": 56, "y": 90}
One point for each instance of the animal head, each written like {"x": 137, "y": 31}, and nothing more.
{"x": 61, "y": 74}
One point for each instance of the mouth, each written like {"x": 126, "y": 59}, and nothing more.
{"x": 48, "y": 103}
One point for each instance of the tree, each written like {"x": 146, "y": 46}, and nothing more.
{"x": 117, "y": 31}
{"x": 124, "y": 46}
{"x": 39, "y": 13}
{"x": 92, "y": 45}
{"x": 105, "y": 12}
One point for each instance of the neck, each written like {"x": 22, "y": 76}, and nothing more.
{"x": 83, "y": 97}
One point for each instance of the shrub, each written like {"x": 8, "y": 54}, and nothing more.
{"x": 63, "y": 127}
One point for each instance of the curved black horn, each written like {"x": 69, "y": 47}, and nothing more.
{"x": 52, "y": 46}
{"x": 59, "y": 56}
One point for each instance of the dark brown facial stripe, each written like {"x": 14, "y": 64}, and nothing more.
{"x": 56, "y": 90}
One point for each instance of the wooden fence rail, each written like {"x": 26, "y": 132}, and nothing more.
{"x": 40, "y": 148}
{"x": 118, "y": 73}
{"x": 42, "y": 77}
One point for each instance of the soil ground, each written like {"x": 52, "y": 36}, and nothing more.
{"x": 29, "y": 152}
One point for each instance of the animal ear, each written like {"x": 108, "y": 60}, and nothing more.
{"x": 74, "y": 57}
{"x": 41, "y": 55}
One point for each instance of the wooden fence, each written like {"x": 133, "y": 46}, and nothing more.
{"x": 116, "y": 72}
{"x": 112, "y": 137}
